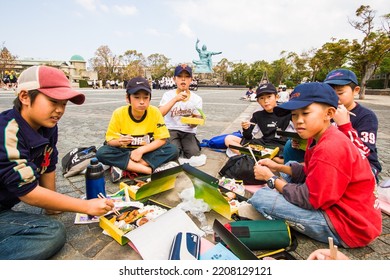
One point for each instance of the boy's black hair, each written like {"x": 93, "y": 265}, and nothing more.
{"x": 32, "y": 94}
{"x": 352, "y": 85}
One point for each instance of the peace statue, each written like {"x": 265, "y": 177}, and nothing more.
{"x": 204, "y": 64}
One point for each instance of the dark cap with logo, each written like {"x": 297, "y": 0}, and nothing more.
{"x": 305, "y": 94}
{"x": 136, "y": 84}
{"x": 183, "y": 67}
{"x": 341, "y": 77}
{"x": 265, "y": 88}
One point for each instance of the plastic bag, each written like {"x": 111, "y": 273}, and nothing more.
{"x": 197, "y": 208}
{"x": 194, "y": 160}
{"x": 218, "y": 142}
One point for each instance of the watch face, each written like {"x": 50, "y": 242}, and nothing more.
{"x": 270, "y": 183}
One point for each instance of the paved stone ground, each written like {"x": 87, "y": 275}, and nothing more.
{"x": 85, "y": 125}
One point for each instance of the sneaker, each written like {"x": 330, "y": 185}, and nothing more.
{"x": 165, "y": 166}
{"x": 129, "y": 174}
{"x": 116, "y": 174}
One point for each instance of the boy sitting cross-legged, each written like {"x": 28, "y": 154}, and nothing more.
{"x": 136, "y": 138}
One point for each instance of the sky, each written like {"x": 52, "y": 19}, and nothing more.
{"x": 243, "y": 30}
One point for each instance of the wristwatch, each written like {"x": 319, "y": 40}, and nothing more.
{"x": 271, "y": 182}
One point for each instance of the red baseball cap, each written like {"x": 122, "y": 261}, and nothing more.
{"x": 50, "y": 81}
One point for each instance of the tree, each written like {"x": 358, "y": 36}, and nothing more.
{"x": 384, "y": 68}
{"x": 256, "y": 71}
{"x": 133, "y": 64}
{"x": 239, "y": 74}
{"x": 106, "y": 64}
{"x": 331, "y": 55}
{"x": 280, "y": 71}
{"x": 7, "y": 60}
{"x": 368, "y": 54}
{"x": 222, "y": 69}
{"x": 300, "y": 70}
{"x": 158, "y": 65}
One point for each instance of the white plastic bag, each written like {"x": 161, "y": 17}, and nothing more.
{"x": 197, "y": 208}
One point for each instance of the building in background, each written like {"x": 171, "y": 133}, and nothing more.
{"x": 75, "y": 69}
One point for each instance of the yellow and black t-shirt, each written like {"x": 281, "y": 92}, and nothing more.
{"x": 150, "y": 127}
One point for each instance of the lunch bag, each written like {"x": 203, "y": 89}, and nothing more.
{"x": 77, "y": 160}
{"x": 240, "y": 167}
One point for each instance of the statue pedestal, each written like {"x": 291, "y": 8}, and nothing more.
{"x": 202, "y": 68}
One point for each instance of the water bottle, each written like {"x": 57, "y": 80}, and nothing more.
{"x": 94, "y": 179}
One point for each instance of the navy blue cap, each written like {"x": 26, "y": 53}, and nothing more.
{"x": 341, "y": 77}
{"x": 305, "y": 94}
{"x": 183, "y": 67}
{"x": 137, "y": 84}
{"x": 265, "y": 88}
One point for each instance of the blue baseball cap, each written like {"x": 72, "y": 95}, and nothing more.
{"x": 305, "y": 94}
{"x": 183, "y": 67}
{"x": 341, "y": 77}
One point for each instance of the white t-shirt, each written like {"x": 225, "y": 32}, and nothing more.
{"x": 181, "y": 109}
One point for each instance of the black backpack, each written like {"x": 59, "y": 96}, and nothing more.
{"x": 240, "y": 167}
{"x": 76, "y": 160}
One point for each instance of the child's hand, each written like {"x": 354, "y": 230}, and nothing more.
{"x": 125, "y": 140}
{"x": 136, "y": 155}
{"x": 324, "y": 254}
{"x": 262, "y": 172}
{"x": 245, "y": 124}
{"x": 295, "y": 144}
{"x": 272, "y": 165}
{"x": 99, "y": 207}
{"x": 341, "y": 116}
{"x": 182, "y": 96}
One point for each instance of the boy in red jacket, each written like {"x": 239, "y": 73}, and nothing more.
{"x": 332, "y": 194}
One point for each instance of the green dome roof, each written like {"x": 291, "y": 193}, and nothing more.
{"x": 77, "y": 57}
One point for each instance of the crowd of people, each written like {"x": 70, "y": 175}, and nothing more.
{"x": 168, "y": 83}
{"x": 328, "y": 193}
{"x": 10, "y": 80}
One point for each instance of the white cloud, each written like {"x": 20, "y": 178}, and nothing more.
{"x": 186, "y": 30}
{"x": 121, "y": 34}
{"x": 90, "y": 5}
{"x": 104, "y": 8}
{"x": 125, "y": 10}
{"x": 156, "y": 33}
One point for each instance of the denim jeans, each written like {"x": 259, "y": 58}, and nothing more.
{"x": 26, "y": 236}
{"x": 285, "y": 176}
{"x": 312, "y": 223}
{"x": 119, "y": 157}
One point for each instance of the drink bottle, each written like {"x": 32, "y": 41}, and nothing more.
{"x": 94, "y": 179}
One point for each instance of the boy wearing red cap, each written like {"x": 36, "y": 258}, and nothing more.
{"x": 28, "y": 157}
{"x": 332, "y": 194}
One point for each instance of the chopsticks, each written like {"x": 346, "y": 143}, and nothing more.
{"x": 332, "y": 248}
{"x": 253, "y": 155}
{"x": 353, "y": 114}
{"x": 116, "y": 212}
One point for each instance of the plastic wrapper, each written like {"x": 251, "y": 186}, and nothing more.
{"x": 197, "y": 208}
